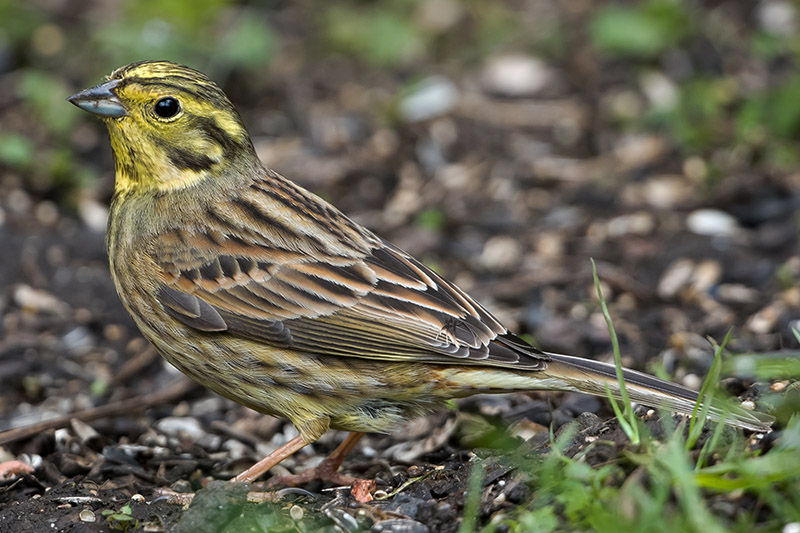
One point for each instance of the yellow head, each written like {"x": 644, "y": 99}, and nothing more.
{"x": 170, "y": 126}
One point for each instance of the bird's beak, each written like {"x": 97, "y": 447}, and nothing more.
{"x": 100, "y": 100}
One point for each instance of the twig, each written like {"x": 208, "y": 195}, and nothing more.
{"x": 134, "y": 365}
{"x": 172, "y": 392}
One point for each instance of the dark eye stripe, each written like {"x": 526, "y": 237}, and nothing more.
{"x": 229, "y": 144}
{"x": 186, "y": 160}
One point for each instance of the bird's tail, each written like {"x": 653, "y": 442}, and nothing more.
{"x": 593, "y": 377}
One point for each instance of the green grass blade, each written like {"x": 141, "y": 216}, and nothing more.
{"x": 627, "y": 418}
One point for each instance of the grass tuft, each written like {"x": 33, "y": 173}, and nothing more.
{"x": 625, "y": 414}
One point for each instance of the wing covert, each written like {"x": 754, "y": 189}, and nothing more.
{"x": 359, "y": 298}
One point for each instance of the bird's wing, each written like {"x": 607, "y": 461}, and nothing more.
{"x": 282, "y": 267}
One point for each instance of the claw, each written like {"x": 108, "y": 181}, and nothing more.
{"x": 175, "y": 498}
{"x": 185, "y": 498}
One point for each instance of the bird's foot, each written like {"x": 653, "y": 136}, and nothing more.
{"x": 186, "y": 498}
{"x": 325, "y": 471}
{"x": 175, "y": 498}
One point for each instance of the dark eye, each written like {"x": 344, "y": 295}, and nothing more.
{"x": 167, "y": 107}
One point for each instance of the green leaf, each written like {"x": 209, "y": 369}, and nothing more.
{"x": 378, "y": 36}
{"x": 641, "y": 31}
{"x": 431, "y": 219}
{"x": 45, "y": 95}
{"x": 541, "y": 520}
{"x": 16, "y": 151}
{"x": 251, "y": 43}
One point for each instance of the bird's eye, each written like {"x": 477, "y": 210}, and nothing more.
{"x": 167, "y": 107}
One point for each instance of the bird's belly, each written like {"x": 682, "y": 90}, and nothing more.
{"x": 355, "y": 394}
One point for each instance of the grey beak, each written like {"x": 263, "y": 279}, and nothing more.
{"x": 100, "y": 100}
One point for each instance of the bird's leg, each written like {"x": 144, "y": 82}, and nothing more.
{"x": 252, "y": 473}
{"x": 327, "y": 470}
{"x": 255, "y": 471}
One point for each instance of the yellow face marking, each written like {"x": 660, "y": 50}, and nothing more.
{"x": 200, "y": 141}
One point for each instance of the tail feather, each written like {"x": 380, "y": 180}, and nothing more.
{"x": 594, "y": 376}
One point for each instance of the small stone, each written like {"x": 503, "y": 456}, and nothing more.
{"x": 78, "y": 340}
{"x": 209, "y": 442}
{"x": 38, "y": 301}
{"x": 549, "y": 244}
{"x": 501, "y": 252}
{"x": 438, "y": 16}
{"x": 666, "y": 192}
{"x": 675, "y": 277}
{"x": 791, "y": 527}
{"x": 369, "y": 451}
{"x": 764, "y": 321}
{"x": 296, "y": 512}
{"x": 778, "y": 18}
{"x": 706, "y": 275}
{"x": 640, "y": 223}
{"x": 180, "y": 427}
{"x": 114, "y": 332}
{"x": 791, "y": 297}
{"x": 384, "y": 142}
{"x": 516, "y": 75}
{"x": 696, "y": 169}
{"x": 235, "y": 449}
{"x": 737, "y": 293}
{"x": 432, "y": 97}
{"x": 84, "y": 431}
{"x": 639, "y": 150}
{"x": 18, "y": 201}
{"x": 779, "y": 386}
{"x": 526, "y": 430}
{"x": 712, "y": 222}
{"x": 94, "y": 215}
{"x": 660, "y": 90}
{"x": 624, "y": 105}
{"x": 46, "y": 213}
{"x": 692, "y": 381}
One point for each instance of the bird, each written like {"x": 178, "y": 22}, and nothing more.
{"x": 270, "y": 296}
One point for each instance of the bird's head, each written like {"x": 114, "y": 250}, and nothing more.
{"x": 170, "y": 126}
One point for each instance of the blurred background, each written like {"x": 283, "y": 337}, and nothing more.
{"x": 504, "y": 143}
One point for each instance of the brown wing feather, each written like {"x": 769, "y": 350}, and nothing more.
{"x": 314, "y": 280}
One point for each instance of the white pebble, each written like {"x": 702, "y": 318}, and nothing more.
{"x": 791, "y": 527}
{"x": 429, "y": 98}
{"x": 175, "y": 426}
{"x": 94, "y": 215}
{"x": 296, "y": 512}
{"x": 516, "y": 75}
{"x": 778, "y": 18}
{"x": 712, "y": 222}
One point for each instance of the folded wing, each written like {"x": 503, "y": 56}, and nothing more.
{"x": 280, "y": 266}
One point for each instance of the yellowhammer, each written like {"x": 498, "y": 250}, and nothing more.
{"x": 273, "y": 298}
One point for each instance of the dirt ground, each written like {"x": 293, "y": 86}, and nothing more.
{"x": 507, "y": 196}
